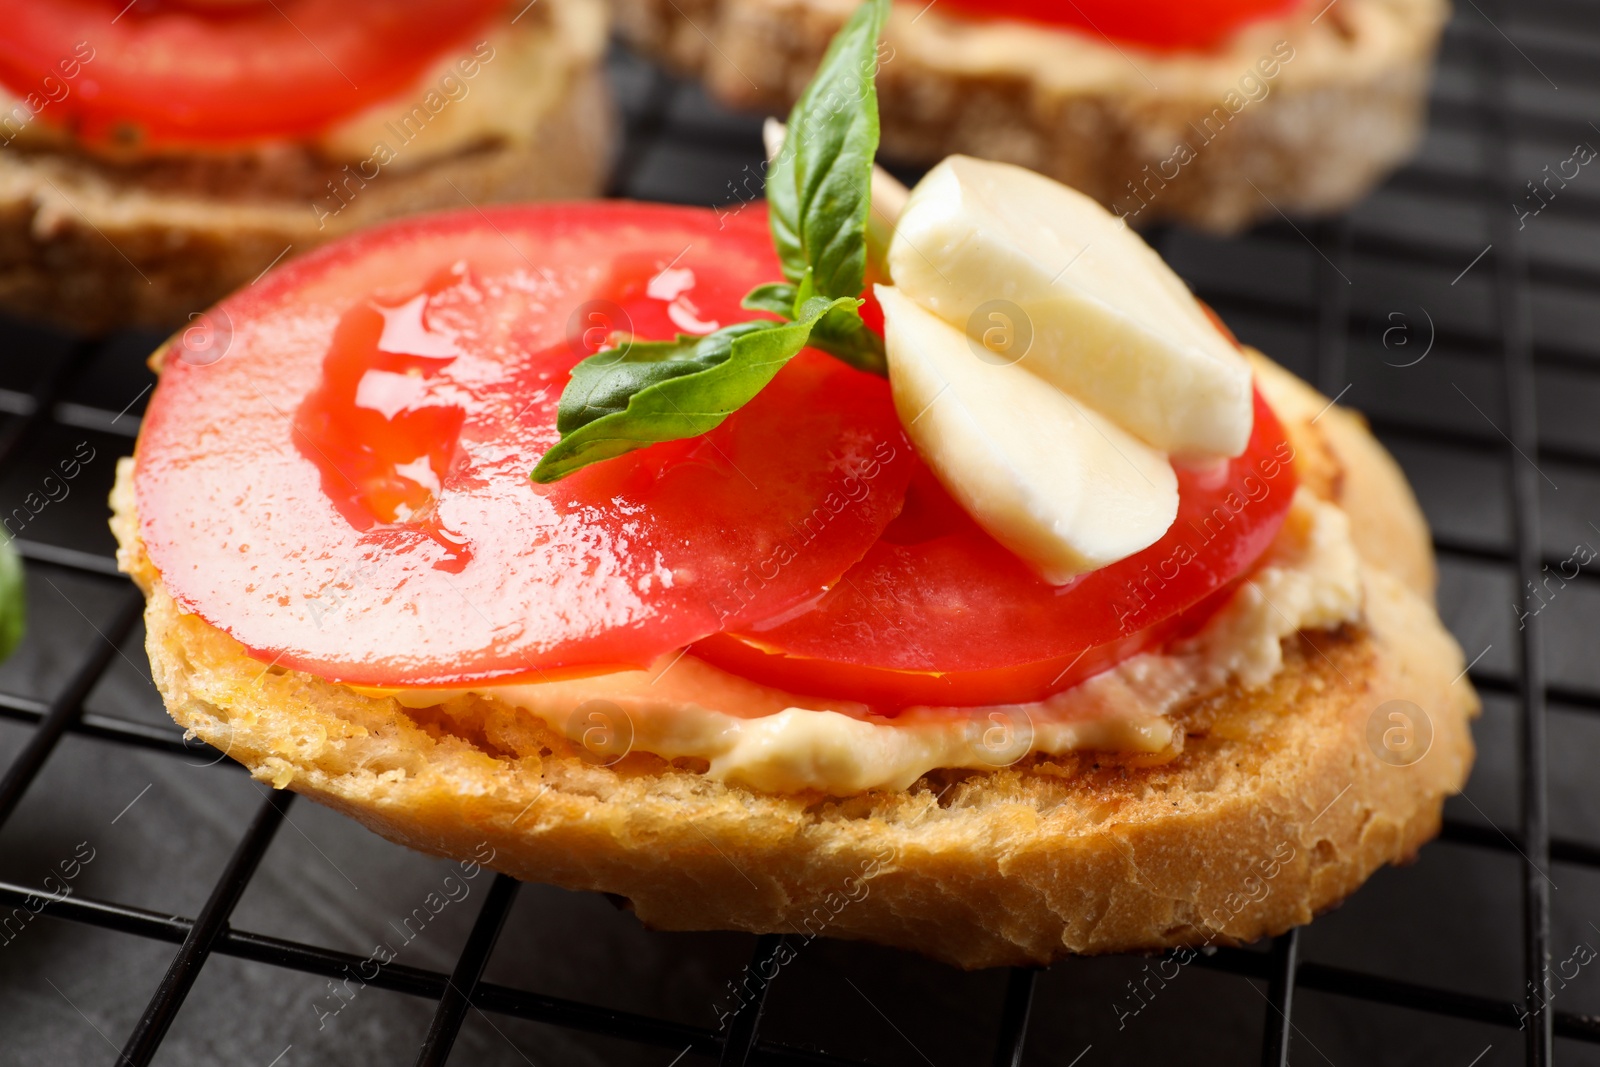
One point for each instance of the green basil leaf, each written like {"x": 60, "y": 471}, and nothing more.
{"x": 840, "y": 333}
{"x": 805, "y": 290}
{"x": 13, "y": 603}
{"x": 604, "y": 383}
{"x": 776, "y": 297}
{"x": 844, "y": 336}
{"x": 650, "y": 391}
{"x": 819, "y": 186}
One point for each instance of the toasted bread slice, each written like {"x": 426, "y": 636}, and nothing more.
{"x": 95, "y": 243}
{"x": 1277, "y": 807}
{"x": 1302, "y": 113}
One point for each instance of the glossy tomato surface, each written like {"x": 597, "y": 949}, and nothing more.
{"x": 336, "y": 472}
{"x": 162, "y": 71}
{"x": 938, "y": 613}
{"x": 1160, "y": 24}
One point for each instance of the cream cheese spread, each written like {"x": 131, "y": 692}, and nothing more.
{"x": 682, "y": 707}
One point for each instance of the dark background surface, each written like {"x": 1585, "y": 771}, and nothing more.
{"x": 1318, "y": 296}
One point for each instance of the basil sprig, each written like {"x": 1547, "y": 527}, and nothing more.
{"x": 13, "y": 604}
{"x": 819, "y": 187}
{"x": 637, "y": 393}
{"x": 652, "y": 391}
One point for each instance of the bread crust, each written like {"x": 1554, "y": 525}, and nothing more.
{"x": 1346, "y": 109}
{"x": 94, "y": 244}
{"x": 1275, "y": 810}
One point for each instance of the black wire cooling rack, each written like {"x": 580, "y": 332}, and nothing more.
{"x": 1468, "y": 331}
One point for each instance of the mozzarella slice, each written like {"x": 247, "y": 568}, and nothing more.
{"x": 1110, "y": 322}
{"x": 1058, "y": 484}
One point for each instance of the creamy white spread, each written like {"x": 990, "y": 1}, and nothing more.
{"x": 503, "y": 102}
{"x": 492, "y": 88}
{"x": 1310, "y": 578}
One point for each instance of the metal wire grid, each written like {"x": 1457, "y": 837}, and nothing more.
{"x": 654, "y": 119}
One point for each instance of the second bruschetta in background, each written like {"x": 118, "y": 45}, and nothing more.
{"x": 155, "y": 159}
{"x": 1214, "y": 113}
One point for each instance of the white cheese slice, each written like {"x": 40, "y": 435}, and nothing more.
{"x": 1058, "y": 484}
{"x": 1110, "y": 322}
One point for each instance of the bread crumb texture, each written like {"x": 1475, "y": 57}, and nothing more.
{"x": 1277, "y": 807}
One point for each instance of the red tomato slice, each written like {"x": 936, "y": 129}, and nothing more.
{"x": 1163, "y": 24}
{"x": 345, "y": 490}
{"x": 155, "y": 73}
{"x": 938, "y": 613}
